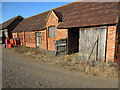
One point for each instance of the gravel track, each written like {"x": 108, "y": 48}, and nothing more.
{"x": 20, "y": 71}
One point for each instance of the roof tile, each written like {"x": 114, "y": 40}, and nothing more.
{"x": 80, "y": 14}
{"x": 76, "y": 14}
{"x": 36, "y": 22}
{"x": 8, "y": 22}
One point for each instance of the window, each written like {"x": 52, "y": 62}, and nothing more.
{"x": 52, "y": 32}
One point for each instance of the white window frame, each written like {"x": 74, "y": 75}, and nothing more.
{"x": 52, "y": 32}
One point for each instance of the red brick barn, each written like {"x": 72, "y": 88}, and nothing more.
{"x": 9, "y": 25}
{"x": 40, "y": 30}
{"x": 92, "y": 29}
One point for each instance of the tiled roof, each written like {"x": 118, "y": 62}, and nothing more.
{"x": 80, "y": 14}
{"x": 76, "y": 14}
{"x": 8, "y": 22}
{"x": 36, "y": 22}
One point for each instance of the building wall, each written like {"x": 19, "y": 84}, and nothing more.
{"x": 30, "y": 39}
{"x": 44, "y": 42}
{"x": 44, "y": 45}
{"x": 111, "y": 43}
{"x": 26, "y": 38}
{"x": 14, "y": 35}
{"x": 20, "y": 36}
{"x": 13, "y": 25}
{"x": 60, "y": 33}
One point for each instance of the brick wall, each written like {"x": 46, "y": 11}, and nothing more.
{"x": 60, "y": 33}
{"x": 20, "y": 36}
{"x": 44, "y": 45}
{"x": 44, "y": 42}
{"x": 111, "y": 40}
{"x": 30, "y": 39}
{"x": 14, "y": 35}
{"x": 26, "y": 38}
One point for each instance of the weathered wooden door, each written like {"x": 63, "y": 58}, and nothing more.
{"x": 38, "y": 39}
{"x": 92, "y": 43}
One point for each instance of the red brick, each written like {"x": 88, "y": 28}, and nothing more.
{"x": 111, "y": 43}
{"x": 60, "y": 33}
{"x": 14, "y": 35}
{"x": 29, "y": 38}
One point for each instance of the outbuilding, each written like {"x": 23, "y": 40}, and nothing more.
{"x": 93, "y": 29}
{"x": 40, "y": 30}
{"x": 8, "y": 26}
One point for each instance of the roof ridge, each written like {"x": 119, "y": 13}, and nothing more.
{"x": 49, "y": 10}
{"x": 12, "y": 18}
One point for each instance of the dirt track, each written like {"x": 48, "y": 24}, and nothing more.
{"x": 20, "y": 71}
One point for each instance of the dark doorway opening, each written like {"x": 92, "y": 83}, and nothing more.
{"x": 3, "y": 37}
{"x": 73, "y": 40}
{"x": 117, "y": 52}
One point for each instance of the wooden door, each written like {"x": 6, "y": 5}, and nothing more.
{"x": 38, "y": 39}
{"x": 92, "y": 43}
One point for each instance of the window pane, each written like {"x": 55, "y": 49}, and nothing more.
{"x": 52, "y": 31}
